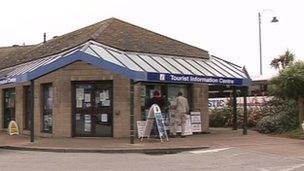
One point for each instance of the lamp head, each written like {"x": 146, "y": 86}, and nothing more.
{"x": 274, "y": 20}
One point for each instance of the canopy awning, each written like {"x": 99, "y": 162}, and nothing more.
{"x": 137, "y": 66}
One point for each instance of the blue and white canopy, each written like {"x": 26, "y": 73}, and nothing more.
{"x": 137, "y": 66}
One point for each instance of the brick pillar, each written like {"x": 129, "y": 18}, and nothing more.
{"x": 62, "y": 111}
{"x": 137, "y": 104}
{"x": 200, "y": 103}
{"x": 19, "y": 103}
{"x": 121, "y": 102}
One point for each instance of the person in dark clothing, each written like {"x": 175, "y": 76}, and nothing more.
{"x": 157, "y": 99}
{"x": 160, "y": 101}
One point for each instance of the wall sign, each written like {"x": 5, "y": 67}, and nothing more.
{"x": 193, "y": 79}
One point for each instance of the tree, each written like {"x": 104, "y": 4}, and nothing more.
{"x": 282, "y": 61}
{"x": 290, "y": 84}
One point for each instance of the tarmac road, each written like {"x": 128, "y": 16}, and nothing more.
{"x": 219, "y": 159}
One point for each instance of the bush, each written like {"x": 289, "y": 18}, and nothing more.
{"x": 267, "y": 124}
{"x": 220, "y": 117}
{"x": 279, "y": 116}
{"x": 223, "y": 117}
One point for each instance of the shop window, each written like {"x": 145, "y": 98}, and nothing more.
{"x": 26, "y": 107}
{"x": 167, "y": 92}
{"x": 9, "y": 106}
{"x": 47, "y": 105}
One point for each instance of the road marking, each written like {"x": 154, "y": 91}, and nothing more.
{"x": 209, "y": 151}
{"x": 282, "y": 168}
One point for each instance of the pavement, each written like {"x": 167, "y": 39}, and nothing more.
{"x": 218, "y": 138}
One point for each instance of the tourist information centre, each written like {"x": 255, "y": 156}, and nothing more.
{"x": 96, "y": 81}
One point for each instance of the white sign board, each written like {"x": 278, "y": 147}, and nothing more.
{"x": 188, "y": 130}
{"x": 196, "y": 121}
{"x": 155, "y": 114}
{"x": 140, "y": 128}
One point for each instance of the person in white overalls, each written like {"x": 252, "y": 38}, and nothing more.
{"x": 182, "y": 109}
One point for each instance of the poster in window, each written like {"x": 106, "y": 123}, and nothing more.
{"x": 87, "y": 123}
{"x": 78, "y": 116}
{"x": 87, "y": 97}
{"x": 79, "y": 93}
{"x": 79, "y": 103}
{"x": 49, "y": 103}
{"x": 104, "y": 117}
{"x": 104, "y": 95}
{"x": 106, "y": 103}
{"x": 48, "y": 121}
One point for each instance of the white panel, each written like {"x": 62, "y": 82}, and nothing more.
{"x": 126, "y": 61}
{"x": 178, "y": 66}
{"x": 202, "y": 69}
{"x": 142, "y": 63}
{"x": 154, "y": 64}
{"x": 166, "y": 65}
{"x": 91, "y": 52}
{"x": 221, "y": 69}
{"x": 227, "y": 65}
{"x": 218, "y": 74}
{"x": 105, "y": 55}
{"x": 189, "y": 67}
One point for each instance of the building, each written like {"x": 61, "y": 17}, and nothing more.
{"x": 95, "y": 81}
{"x": 260, "y": 85}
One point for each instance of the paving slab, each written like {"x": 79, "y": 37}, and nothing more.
{"x": 218, "y": 137}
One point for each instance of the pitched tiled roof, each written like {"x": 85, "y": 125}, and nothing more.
{"x": 10, "y": 56}
{"x": 112, "y": 32}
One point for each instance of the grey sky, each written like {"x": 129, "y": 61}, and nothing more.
{"x": 227, "y": 29}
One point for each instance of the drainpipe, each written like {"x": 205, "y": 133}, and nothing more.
{"x": 132, "y": 118}
{"x": 234, "y": 109}
{"x": 32, "y": 125}
{"x": 245, "y": 126}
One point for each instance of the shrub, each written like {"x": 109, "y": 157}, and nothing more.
{"x": 223, "y": 117}
{"x": 220, "y": 117}
{"x": 267, "y": 124}
{"x": 279, "y": 115}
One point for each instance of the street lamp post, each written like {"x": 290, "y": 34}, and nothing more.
{"x": 274, "y": 20}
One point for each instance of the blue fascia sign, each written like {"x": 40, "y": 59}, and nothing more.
{"x": 7, "y": 80}
{"x": 178, "y": 78}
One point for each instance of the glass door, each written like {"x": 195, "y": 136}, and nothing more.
{"x": 103, "y": 119}
{"x": 93, "y": 109}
